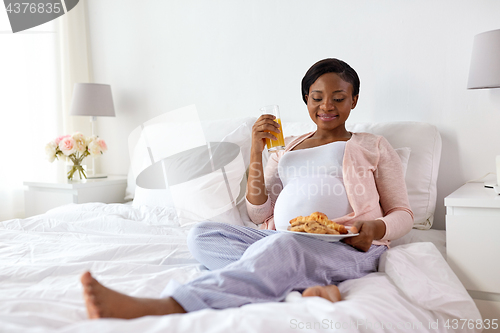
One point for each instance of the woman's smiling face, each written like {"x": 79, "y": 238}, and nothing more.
{"x": 330, "y": 102}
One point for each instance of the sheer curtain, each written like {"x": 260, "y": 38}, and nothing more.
{"x": 37, "y": 69}
{"x": 75, "y": 63}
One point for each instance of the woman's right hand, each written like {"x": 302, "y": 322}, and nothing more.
{"x": 260, "y": 131}
{"x": 256, "y": 189}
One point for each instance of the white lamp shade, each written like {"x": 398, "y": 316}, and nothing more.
{"x": 92, "y": 99}
{"x": 485, "y": 63}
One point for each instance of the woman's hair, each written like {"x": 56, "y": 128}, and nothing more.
{"x": 330, "y": 65}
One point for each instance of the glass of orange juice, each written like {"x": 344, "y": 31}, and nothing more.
{"x": 279, "y": 144}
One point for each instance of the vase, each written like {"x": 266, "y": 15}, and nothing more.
{"x": 76, "y": 171}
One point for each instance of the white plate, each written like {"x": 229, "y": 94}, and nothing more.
{"x": 325, "y": 237}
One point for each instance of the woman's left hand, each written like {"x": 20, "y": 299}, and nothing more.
{"x": 368, "y": 231}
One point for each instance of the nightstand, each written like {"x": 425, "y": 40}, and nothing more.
{"x": 473, "y": 244}
{"x": 40, "y": 196}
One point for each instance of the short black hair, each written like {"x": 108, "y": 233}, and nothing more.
{"x": 330, "y": 65}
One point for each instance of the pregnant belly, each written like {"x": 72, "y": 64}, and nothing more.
{"x": 303, "y": 196}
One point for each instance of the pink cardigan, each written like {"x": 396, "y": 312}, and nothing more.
{"x": 374, "y": 182}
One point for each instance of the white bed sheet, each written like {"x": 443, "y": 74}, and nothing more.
{"x": 138, "y": 250}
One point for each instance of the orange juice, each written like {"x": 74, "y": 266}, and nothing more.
{"x": 279, "y": 144}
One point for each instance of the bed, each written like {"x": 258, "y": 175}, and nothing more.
{"x": 137, "y": 247}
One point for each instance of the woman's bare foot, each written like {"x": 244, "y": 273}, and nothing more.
{"x": 102, "y": 302}
{"x": 330, "y": 292}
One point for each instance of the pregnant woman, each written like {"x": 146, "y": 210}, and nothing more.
{"x": 356, "y": 179}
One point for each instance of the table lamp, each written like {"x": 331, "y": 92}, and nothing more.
{"x": 485, "y": 63}
{"x": 484, "y": 73}
{"x": 94, "y": 100}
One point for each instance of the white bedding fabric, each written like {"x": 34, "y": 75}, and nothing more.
{"x": 138, "y": 250}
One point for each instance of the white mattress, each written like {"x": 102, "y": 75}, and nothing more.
{"x": 137, "y": 251}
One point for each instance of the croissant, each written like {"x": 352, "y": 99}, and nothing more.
{"x": 317, "y": 223}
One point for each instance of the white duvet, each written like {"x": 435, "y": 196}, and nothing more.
{"x": 138, "y": 250}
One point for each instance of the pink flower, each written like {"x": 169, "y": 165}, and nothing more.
{"x": 59, "y": 138}
{"x": 67, "y": 145}
{"x": 102, "y": 145}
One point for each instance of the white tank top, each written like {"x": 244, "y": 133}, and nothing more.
{"x": 312, "y": 182}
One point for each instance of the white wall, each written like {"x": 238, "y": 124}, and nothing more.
{"x": 231, "y": 57}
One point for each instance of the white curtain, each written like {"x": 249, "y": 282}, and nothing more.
{"x": 75, "y": 63}
{"x": 38, "y": 70}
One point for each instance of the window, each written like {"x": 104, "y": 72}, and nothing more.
{"x": 29, "y": 109}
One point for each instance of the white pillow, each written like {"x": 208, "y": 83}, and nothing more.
{"x": 423, "y": 164}
{"x": 230, "y": 130}
{"x": 197, "y": 187}
{"x": 206, "y": 183}
{"x": 158, "y": 138}
{"x": 404, "y": 156}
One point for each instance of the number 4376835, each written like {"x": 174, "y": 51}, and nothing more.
{"x": 471, "y": 324}
{"x": 27, "y": 7}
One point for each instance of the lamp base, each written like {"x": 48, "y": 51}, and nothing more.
{"x": 97, "y": 176}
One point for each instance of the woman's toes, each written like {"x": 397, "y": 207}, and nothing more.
{"x": 310, "y": 292}
{"x": 330, "y": 292}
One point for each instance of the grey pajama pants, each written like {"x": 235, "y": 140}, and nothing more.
{"x": 251, "y": 266}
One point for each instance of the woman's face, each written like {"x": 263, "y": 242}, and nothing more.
{"x": 330, "y": 102}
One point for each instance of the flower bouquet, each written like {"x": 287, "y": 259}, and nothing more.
{"x": 75, "y": 148}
